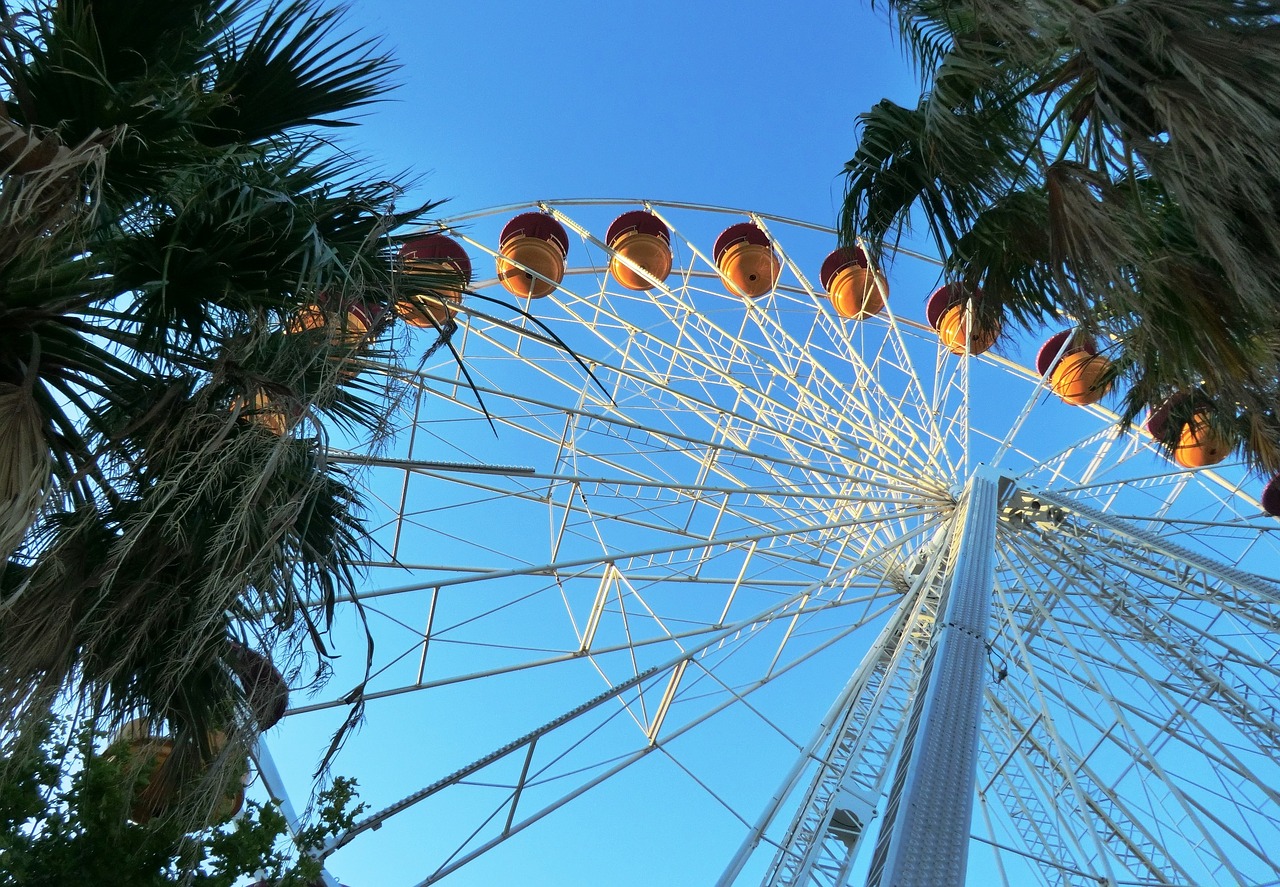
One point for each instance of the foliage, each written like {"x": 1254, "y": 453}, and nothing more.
{"x": 63, "y": 824}
{"x": 195, "y": 291}
{"x": 1110, "y": 162}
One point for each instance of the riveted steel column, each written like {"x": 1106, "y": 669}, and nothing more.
{"x": 924, "y": 841}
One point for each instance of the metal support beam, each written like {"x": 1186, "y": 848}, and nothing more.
{"x": 855, "y": 743}
{"x": 275, "y": 790}
{"x": 924, "y": 841}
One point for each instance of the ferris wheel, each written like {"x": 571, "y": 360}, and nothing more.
{"x": 696, "y": 573}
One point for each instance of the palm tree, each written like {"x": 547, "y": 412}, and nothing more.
{"x": 1115, "y": 162}
{"x": 190, "y": 280}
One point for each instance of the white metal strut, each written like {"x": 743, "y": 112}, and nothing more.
{"x": 924, "y": 841}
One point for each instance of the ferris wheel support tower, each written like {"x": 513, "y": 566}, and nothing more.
{"x": 925, "y": 836}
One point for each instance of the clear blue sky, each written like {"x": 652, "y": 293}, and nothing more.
{"x": 745, "y": 104}
{"x": 740, "y": 104}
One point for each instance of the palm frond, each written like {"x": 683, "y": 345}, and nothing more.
{"x": 902, "y": 166}
{"x": 1150, "y": 130}
{"x": 1005, "y": 254}
{"x": 293, "y": 69}
{"x": 167, "y": 211}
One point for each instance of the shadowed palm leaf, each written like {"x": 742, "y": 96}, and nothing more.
{"x": 1118, "y": 162}
{"x": 181, "y": 252}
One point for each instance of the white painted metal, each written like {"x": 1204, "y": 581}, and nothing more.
{"x": 843, "y": 796}
{"x": 924, "y": 841}
{"x": 694, "y": 553}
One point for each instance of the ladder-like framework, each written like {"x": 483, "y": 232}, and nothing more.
{"x": 841, "y": 798}
{"x": 912, "y": 711}
{"x": 917, "y": 696}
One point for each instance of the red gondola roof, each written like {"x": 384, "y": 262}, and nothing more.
{"x": 539, "y": 225}
{"x": 1049, "y": 350}
{"x": 743, "y": 231}
{"x": 640, "y": 221}
{"x": 437, "y": 246}
{"x": 838, "y": 260}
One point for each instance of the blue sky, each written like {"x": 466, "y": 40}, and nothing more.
{"x": 747, "y": 104}
{"x": 744, "y": 104}
{"x": 740, "y": 104}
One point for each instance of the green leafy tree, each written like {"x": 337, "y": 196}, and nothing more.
{"x": 62, "y": 824}
{"x": 1110, "y": 162}
{"x": 195, "y": 287}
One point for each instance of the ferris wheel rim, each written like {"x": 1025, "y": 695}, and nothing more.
{"x": 1026, "y": 370}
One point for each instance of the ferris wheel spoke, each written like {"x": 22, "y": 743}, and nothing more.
{"x": 848, "y": 759}
{"x": 965, "y": 372}
{"x": 601, "y": 769}
{"x": 1053, "y": 468}
{"x": 798, "y": 602}
{"x": 1171, "y": 527}
{"x": 1173, "y": 584}
{"x": 1113, "y": 528}
{"x": 1097, "y": 806}
{"x": 1219, "y": 498}
{"x": 1201, "y": 805}
{"x": 902, "y": 362}
{"x": 1202, "y": 663}
{"x": 1036, "y": 396}
{"x": 1174, "y": 654}
{"x": 789, "y": 356}
{"x": 1129, "y": 842}
{"x": 867, "y": 503}
{"x": 1114, "y": 829}
{"x": 698, "y": 552}
{"x": 1156, "y": 577}
{"x": 1231, "y": 505}
{"x": 821, "y": 461}
{"x": 1041, "y": 735}
{"x": 796, "y": 618}
{"x": 882, "y": 429}
{"x": 886, "y": 418}
{"x": 1046, "y": 823}
{"x": 757, "y": 410}
{"x": 1076, "y": 665}
{"x": 724, "y": 543}
{"x": 1027, "y": 761}
{"x": 1019, "y": 791}
{"x": 560, "y": 658}
{"x": 1229, "y": 497}
{"x": 790, "y": 504}
{"x": 944, "y": 390}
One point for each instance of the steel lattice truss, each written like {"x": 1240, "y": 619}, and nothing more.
{"x": 682, "y": 604}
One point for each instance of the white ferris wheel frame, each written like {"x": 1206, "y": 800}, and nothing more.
{"x": 1091, "y": 592}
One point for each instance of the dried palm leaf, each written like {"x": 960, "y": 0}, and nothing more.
{"x": 26, "y": 466}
